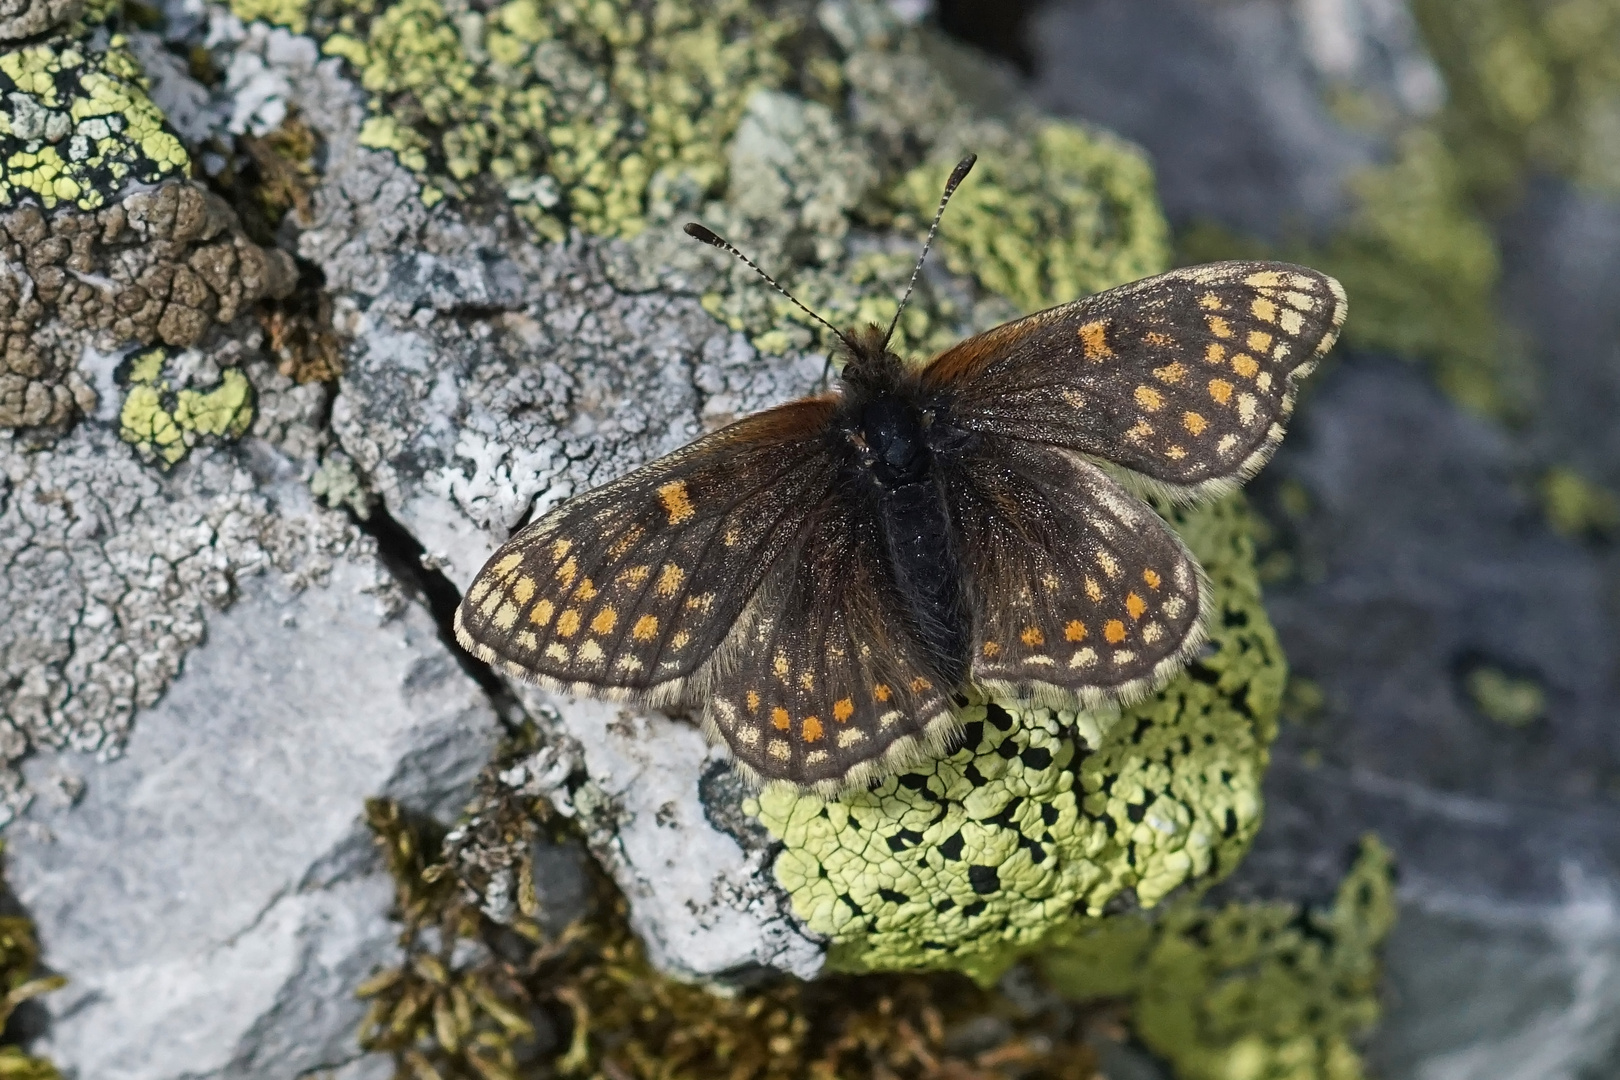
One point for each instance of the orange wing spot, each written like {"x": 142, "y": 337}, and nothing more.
{"x": 646, "y": 628}
{"x": 1215, "y": 354}
{"x": 1140, "y": 431}
{"x": 1170, "y": 374}
{"x": 700, "y": 602}
{"x": 559, "y": 548}
{"x": 1152, "y": 578}
{"x": 1149, "y": 398}
{"x": 541, "y": 613}
{"x": 882, "y": 692}
{"x": 1094, "y": 340}
{"x": 1210, "y": 302}
{"x": 1032, "y": 636}
{"x": 587, "y": 590}
{"x": 627, "y": 541}
{"x": 991, "y": 649}
{"x": 843, "y": 709}
{"x": 811, "y": 728}
{"x": 605, "y": 620}
{"x": 1245, "y": 365}
{"x": 779, "y": 718}
{"x": 1219, "y": 326}
{"x": 1135, "y": 605}
{"x": 752, "y": 699}
{"x": 1075, "y": 631}
{"x": 670, "y": 577}
{"x": 568, "y": 623}
{"x": 1175, "y": 453}
{"x": 919, "y": 684}
{"x": 1093, "y": 590}
{"x": 1264, "y": 310}
{"x": 780, "y": 665}
{"x": 634, "y": 575}
{"x": 678, "y": 640}
{"x": 523, "y": 589}
{"x": 567, "y": 572}
{"x": 1158, "y": 340}
{"x": 677, "y": 504}
{"x": 1194, "y": 423}
{"x": 1265, "y": 279}
{"x": 1259, "y": 341}
{"x": 1114, "y": 631}
{"x": 1220, "y": 390}
{"x": 807, "y": 680}
{"x": 506, "y": 566}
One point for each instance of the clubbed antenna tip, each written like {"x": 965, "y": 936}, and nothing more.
{"x": 958, "y": 174}
{"x": 714, "y": 239}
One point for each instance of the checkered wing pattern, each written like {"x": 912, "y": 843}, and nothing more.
{"x": 823, "y": 683}
{"x": 1088, "y": 593}
{"x": 631, "y": 589}
{"x": 1187, "y": 378}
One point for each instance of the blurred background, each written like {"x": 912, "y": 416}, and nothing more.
{"x": 1441, "y": 560}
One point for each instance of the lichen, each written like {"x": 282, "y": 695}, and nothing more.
{"x": 571, "y": 108}
{"x": 1042, "y": 816}
{"x": 1513, "y": 701}
{"x": 77, "y": 127}
{"x": 1576, "y": 507}
{"x": 1257, "y": 991}
{"x": 164, "y": 423}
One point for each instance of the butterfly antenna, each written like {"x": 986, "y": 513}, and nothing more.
{"x": 713, "y": 239}
{"x": 958, "y": 174}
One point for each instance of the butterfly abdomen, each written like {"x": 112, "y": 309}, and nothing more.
{"x": 891, "y": 438}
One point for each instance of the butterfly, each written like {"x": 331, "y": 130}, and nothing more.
{"x": 822, "y": 581}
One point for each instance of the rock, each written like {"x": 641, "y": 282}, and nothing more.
{"x": 213, "y": 896}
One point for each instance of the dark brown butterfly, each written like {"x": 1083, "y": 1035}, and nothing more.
{"x": 824, "y": 579}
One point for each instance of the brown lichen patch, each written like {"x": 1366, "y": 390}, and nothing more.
{"x": 160, "y": 266}
{"x": 477, "y": 998}
{"x": 278, "y": 177}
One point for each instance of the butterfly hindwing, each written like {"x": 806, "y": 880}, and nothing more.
{"x": 631, "y": 588}
{"x": 1084, "y": 590}
{"x": 1186, "y": 378}
{"x": 823, "y": 683}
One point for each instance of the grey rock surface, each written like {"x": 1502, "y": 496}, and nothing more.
{"x": 213, "y": 896}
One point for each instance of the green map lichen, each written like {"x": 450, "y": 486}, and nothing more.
{"x": 1250, "y": 991}
{"x": 968, "y": 862}
{"x": 570, "y": 108}
{"x": 76, "y": 126}
{"x": 163, "y": 424}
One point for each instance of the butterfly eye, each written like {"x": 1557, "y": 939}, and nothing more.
{"x": 927, "y": 418}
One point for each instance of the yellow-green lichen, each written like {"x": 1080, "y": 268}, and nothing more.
{"x": 1576, "y": 507}
{"x": 970, "y": 861}
{"x": 571, "y": 108}
{"x": 76, "y": 125}
{"x": 1052, "y": 213}
{"x": 1509, "y": 700}
{"x": 1251, "y": 991}
{"x": 164, "y": 424}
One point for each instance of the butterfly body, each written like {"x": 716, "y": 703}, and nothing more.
{"x": 821, "y": 581}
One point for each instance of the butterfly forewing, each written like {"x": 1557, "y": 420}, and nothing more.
{"x": 634, "y": 586}
{"x": 1087, "y": 591}
{"x": 822, "y": 683}
{"x": 1186, "y": 378}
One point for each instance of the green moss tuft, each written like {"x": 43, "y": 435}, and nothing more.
{"x": 164, "y": 424}
{"x": 1050, "y": 213}
{"x": 1265, "y": 991}
{"x": 76, "y": 125}
{"x": 973, "y": 860}
{"x": 571, "y": 108}
{"x": 20, "y": 982}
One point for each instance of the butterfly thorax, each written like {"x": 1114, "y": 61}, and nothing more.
{"x": 894, "y": 442}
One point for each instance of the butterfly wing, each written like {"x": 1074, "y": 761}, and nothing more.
{"x": 1186, "y": 378}
{"x": 630, "y": 589}
{"x": 822, "y": 686}
{"x": 1085, "y": 591}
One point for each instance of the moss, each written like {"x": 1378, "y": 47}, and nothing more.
{"x": 1040, "y": 817}
{"x": 20, "y": 981}
{"x": 571, "y": 108}
{"x": 164, "y": 424}
{"x": 1576, "y": 507}
{"x": 76, "y": 125}
{"x": 1251, "y": 991}
{"x": 475, "y": 999}
{"x": 1051, "y": 214}
{"x": 1506, "y": 699}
